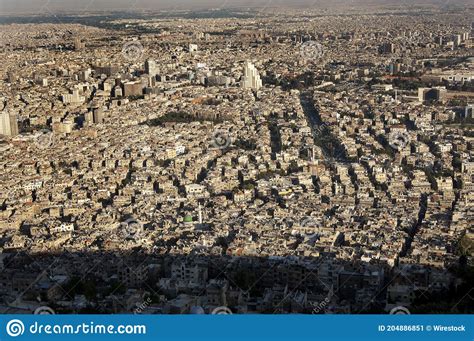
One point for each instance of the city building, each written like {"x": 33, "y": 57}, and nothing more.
{"x": 8, "y": 123}
{"x": 132, "y": 88}
{"x": 251, "y": 78}
{"x": 151, "y": 68}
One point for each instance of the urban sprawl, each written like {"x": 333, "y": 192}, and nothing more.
{"x": 263, "y": 161}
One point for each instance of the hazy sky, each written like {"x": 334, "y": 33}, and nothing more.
{"x": 38, "y": 6}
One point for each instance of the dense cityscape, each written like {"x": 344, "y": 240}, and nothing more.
{"x": 238, "y": 161}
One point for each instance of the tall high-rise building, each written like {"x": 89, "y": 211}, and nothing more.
{"x": 251, "y": 78}
{"x": 469, "y": 111}
{"x": 8, "y": 123}
{"x": 150, "y": 67}
{"x": 457, "y": 38}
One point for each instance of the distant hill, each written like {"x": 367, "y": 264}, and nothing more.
{"x": 35, "y": 6}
